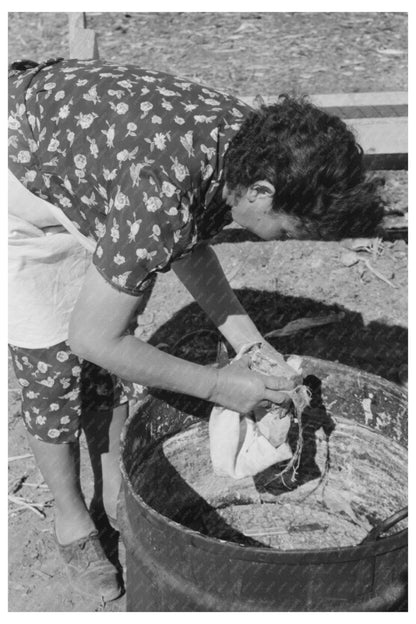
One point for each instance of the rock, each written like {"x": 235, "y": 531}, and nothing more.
{"x": 399, "y": 246}
{"x": 349, "y": 258}
{"x": 391, "y": 52}
{"x": 316, "y": 262}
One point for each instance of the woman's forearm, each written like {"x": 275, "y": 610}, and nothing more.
{"x": 233, "y": 386}
{"x": 132, "y": 359}
{"x": 239, "y": 330}
{"x": 203, "y": 276}
{"x": 97, "y": 332}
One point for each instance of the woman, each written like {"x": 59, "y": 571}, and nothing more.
{"x": 143, "y": 168}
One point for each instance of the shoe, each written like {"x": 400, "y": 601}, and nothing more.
{"x": 88, "y": 569}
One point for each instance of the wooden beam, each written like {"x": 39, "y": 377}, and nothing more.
{"x": 384, "y": 141}
{"x": 327, "y": 100}
{"x": 379, "y": 121}
{"x": 376, "y": 98}
{"x": 359, "y": 112}
{"x": 83, "y": 43}
{"x": 386, "y": 162}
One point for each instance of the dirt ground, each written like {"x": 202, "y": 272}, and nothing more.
{"x": 246, "y": 54}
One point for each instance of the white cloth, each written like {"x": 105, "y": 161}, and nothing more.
{"x": 47, "y": 266}
{"x": 243, "y": 446}
{"x": 46, "y": 272}
{"x": 239, "y": 449}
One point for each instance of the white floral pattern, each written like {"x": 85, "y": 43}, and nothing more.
{"x": 56, "y": 386}
{"x": 133, "y": 157}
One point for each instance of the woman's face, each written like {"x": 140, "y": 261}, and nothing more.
{"x": 253, "y": 210}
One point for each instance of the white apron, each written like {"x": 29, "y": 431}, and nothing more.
{"x": 46, "y": 270}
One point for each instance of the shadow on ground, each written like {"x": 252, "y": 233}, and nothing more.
{"x": 237, "y": 235}
{"x": 377, "y": 348}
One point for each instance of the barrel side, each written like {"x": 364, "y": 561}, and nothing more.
{"x": 170, "y": 570}
{"x": 173, "y": 568}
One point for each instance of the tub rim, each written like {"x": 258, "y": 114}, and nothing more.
{"x": 256, "y": 553}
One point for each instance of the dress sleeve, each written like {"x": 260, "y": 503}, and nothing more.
{"x": 141, "y": 232}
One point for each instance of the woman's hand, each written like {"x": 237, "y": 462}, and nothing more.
{"x": 240, "y": 389}
{"x": 290, "y": 368}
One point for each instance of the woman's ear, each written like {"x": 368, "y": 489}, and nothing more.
{"x": 260, "y": 189}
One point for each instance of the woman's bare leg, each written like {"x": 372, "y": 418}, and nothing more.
{"x": 59, "y": 465}
{"x": 110, "y": 461}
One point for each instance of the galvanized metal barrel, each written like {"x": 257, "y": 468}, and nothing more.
{"x": 171, "y": 567}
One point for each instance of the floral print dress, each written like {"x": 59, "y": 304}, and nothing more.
{"x": 134, "y": 158}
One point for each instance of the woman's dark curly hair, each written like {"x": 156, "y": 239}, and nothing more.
{"x": 315, "y": 165}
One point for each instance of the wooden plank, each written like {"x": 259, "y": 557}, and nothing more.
{"x": 377, "y": 98}
{"x": 358, "y": 112}
{"x": 384, "y": 141}
{"x": 327, "y": 100}
{"x": 380, "y": 124}
{"x": 388, "y": 135}
{"x": 83, "y": 43}
{"x": 392, "y": 162}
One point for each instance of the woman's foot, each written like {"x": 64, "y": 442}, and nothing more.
{"x": 88, "y": 569}
{"x": 86, "y": 563}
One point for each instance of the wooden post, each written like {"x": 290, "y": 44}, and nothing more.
{"x": 82, "y": 41}
{"x": 76, "y": 20}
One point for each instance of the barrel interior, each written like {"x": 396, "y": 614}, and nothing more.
{"x": 351, "y": 476}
